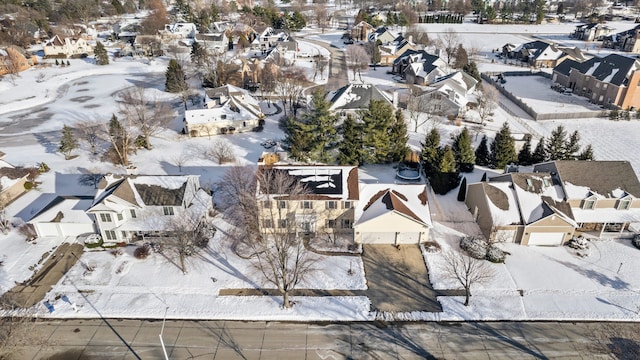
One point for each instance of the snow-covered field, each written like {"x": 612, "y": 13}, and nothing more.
{"x": 535, "y": 283}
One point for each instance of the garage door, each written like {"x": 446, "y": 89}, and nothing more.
{"x": 408, "y": 238}
{"x": 540, "y": 238}
{"x": 378, "y": 238}
{"x": 63, "y": 229}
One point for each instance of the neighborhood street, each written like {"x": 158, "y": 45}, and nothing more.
{"x": 139, "y": 339}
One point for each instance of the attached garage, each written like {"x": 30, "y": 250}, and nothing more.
{"x": 64, "y": 216}
{"x": 546, "y": 238}
{"x": 378, "y": 237}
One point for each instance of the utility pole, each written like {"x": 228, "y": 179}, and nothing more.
{"x": 164, "y": 349}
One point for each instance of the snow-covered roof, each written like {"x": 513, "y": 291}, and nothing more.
{"x": 72, "y": 210}
{"x": 408, "y": 200}
{"x": 321, "y": 181}
{"x": 502, "y": 213}
{"x": 608, "y": 215}
{"x": 356, "y": 96}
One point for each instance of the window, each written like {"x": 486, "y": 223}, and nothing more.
{"x": 133, "y": 214}
{"x": 105, "y": 217}
{"x": 307, "y": 205}
{"x": 168, "y": 210}
{"x": 223, "y": 116}
{"x": 332, "y": 204}
{"x": 120, "y": 217}
{"x": 624, "y": 204}
{"x": 604, "y": 86}
{"x": 282, "y": 204}
{"x": 110, "y": 235}
{"x": 331, "y": 224}
{"x": 267, "y": 204}
{"x": 124, "y": 234}
{"x": 589, "y": 204}
{"x": 346, "y": 223}
{"x": 346, "y": 205}
{"x": 601, "y": 98}
{"x": 267, "y": 223}
{"x": 546, "y": 182}
{"x": 282, "y": 223}
{"x": 306, "y": 227}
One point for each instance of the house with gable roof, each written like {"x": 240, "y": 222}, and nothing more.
{"x": 351, "y": 98}
{"x": 610, "y": 81}
{"x": 269, "y": 38}
{"x": 362, "y": 30}
{"x": 541, "y": 53}
{"x": 384, "y": 35}
{"x": 558, "y": 200}
{"x": 389, "y": 52}
{"x": 335, "y": 203}
{"x": 449, "y": 95}
{"x": 419, "y": 67}
{"x": 64, "y": 216}
{"x": 591, "y": 31}
{"x": 227, "y": 109}
{"x": 127, "y": 208}
{"x": 56, "y": 47}
{"x": 14, "y": 59}
{"x": 624, "y": 41}
{"x": 12, "y": 180}
{"x": 392, "y": 214}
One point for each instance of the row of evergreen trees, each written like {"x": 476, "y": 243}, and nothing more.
{"x": 441, "y": 19}
{"x": 377, "y": 134}
{"x": 559, "y": 146}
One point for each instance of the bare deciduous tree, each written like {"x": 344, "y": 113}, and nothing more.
{"x": 615, "y": 340}
{"x": 147, "y": 114}
{"x": 187, "y": 237}
{"x": 221, "y": 151}
{"x": 120, "y": 135}
{"x": 90, "y": 132}
{"x": 450, "y": 41}
{"x": 290, "y": 87}
{"x": 357, "y": 59}
{"x": 466, "y": 270}
{"x": 16, "y": 327}
{"x": 416, "y": 106}
{"x": 487, "y": 100}
{"x": 180, "y": 160}
{"x": 418, "y": 36}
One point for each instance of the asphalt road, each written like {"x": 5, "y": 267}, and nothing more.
{"x": 139, "y": 339}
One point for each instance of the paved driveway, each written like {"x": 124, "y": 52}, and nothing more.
{"x": 398, "y": 279}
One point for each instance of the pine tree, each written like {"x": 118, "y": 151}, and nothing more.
{"x": 322, "y": 123}
{"x": 68, "y": 142}
{"x": 587, "y": 153}
{"x": 555, "y": 146}
{"x": 101, "y": 55}
{"x": 483, "y": 157}
{"x": 472, "y": 69}
{"x": 446, "y": 176}
{"x": 376, "y": 121}
{"x": 120, "y": 139}
{"x": 198, "y": 53}
{"x": 350, "y": 149}
{"x": 484, "y": 177}
{"x": 117, "y": 6}
{"x": 465, "y": 156}
{"x": 447, "y": 162}
{"x": 503, "y": 151}
{"x": 398, "y": 137}
{"x": 540, "y": 153}
{"x": 374, "y": 52}
{"x": 430, "y": 151}
{"x": 462, "y": 59}
{"x": 298, "y": 139}
{"x": 463, "y": 190}
{"x": 572, "y": 146}
{"x": 524, "y": 156}
{"x": 175, "y": 82}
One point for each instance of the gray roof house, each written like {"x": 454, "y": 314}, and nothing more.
{"x": 354, "y": 97}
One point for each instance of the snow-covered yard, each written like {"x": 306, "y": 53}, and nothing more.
{"x": 534, "y": 283}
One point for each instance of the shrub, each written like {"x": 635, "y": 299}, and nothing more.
{"x": 93, "y": 245}
{"x": 116, "y": 253}
{"x": 141, "y": 252}
{"x": 495, "y": 255}
{"x": 28, "y": 185}
{"x": 578, "y": 243}
{"x": 43, "y": 167}
{"x": 476, "y": 248}
{"x": 28, "y": 231}
{"x": 432, "y": 247}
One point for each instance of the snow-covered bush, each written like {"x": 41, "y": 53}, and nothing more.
{"x": 475, "y": 247}
{"x": 141, "y": 252}
{"x": 578, "y": 243}
{"x": 496, "y": 255}
{"x": 431, "y": 247}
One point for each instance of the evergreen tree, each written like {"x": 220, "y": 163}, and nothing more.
{"x": 472, "y": 69}
{"x": 587, "y": 153}
{"x": 68, "y": 142}
{"x": 198, "y": 54}
{"x": 120, "y": 139}
{"x": 572, "y": 146}
{"x": 463, "y": 190}
{"x": 503, "y": 151}
{"x": 298, "y": 138}
{"x": 398, "y": 137}
{"x": 430, "y": 152}
{"x": 524, "y": 156}
{"x": 350, "y": 149}
{"x": 484, "y": 177}
{"x": 462, "y": 59}
{"x": 322, "y": 123}
{"x": 100, "y": 53}
{"x": 540, "y": 153}
{"x": 376, "y": 121}
{"x": 374, "y": 53}
{"x": 465, "y": 156}
{"x": 175, "y": 82}
{"x": 483, "y": 157}
{"x": 117, "y": 6}
{"x": 446, "y": 176}
{"x": 555, "y": 146}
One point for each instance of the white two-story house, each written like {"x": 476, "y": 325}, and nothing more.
{"x": 128, "y": 208}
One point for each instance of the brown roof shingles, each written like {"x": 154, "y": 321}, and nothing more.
{"x": 601, "y": 177}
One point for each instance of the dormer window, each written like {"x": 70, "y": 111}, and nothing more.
{"x": 546, "y": 182}
{"x": 624, "y": 204}
{"x": 589, "y": 204}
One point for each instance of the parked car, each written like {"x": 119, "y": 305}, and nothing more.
{"x": 567, "y": 92}
{"x": 348, "y": 41}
